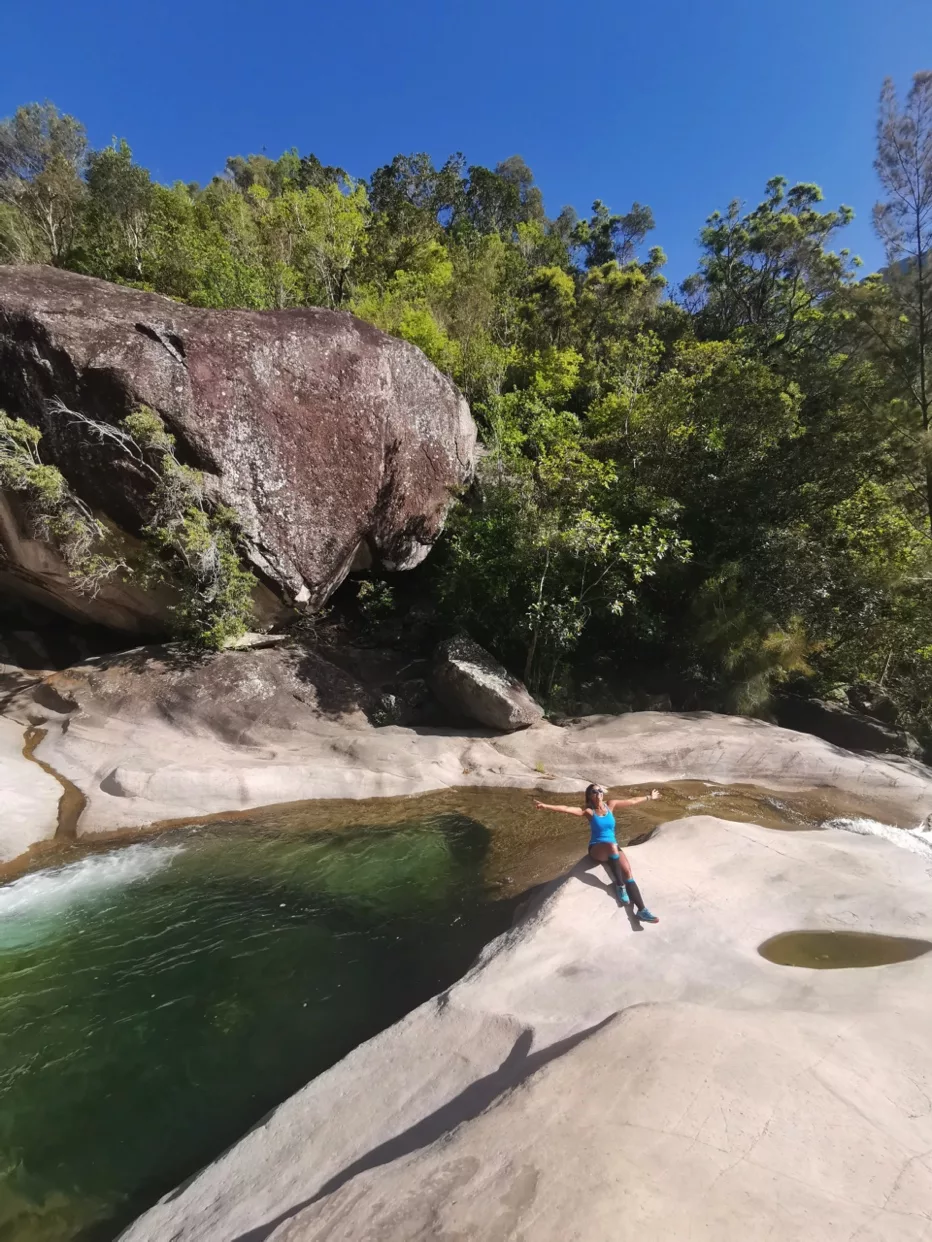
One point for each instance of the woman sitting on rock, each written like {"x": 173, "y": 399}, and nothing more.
{"x": 603, "y": 847}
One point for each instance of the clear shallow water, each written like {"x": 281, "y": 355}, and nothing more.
{"x": 157, "y": 1000}
{"x": 158, "y": 997}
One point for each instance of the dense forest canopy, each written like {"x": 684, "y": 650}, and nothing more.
{"x": 730, "y": 481}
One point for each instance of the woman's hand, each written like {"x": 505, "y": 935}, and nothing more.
{"x": 654, "y": 795}
{"x": 540, "y": 806}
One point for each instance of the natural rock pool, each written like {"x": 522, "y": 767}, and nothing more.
{"x": 159, "y": 995}
{"x": 840, "y": 950}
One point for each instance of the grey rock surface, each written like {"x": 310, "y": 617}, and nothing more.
{"x": 843, "y": 727}
{"x": 29, "y": 796}
{"x": 154, "y": 735}
{"x": 473, "y": 685}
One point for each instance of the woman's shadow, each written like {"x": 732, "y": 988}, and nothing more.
{"x": 583, "y": 871}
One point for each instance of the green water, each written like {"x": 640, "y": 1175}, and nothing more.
{"x": 159, "y": 995}
{"x": 840, "y": 950}
{"x": 157, "y": 999}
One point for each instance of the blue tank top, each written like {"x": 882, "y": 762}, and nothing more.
{"x": 601, "y": 828}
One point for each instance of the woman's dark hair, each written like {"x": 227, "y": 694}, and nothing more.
{"x": 593, "y": 793}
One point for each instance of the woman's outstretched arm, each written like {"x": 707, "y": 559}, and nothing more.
{"x": 567, "y": 810}
{"x": 651, "y": 797}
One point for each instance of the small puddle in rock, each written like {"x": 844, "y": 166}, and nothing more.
{"x": 160, "y": 991}
{"x": 840, "y": 950}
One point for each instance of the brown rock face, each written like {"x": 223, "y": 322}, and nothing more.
{"x": 336, "y": 444}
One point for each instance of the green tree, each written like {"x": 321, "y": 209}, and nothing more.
{"x": 334, "y": 239}
{"x": 605, "y": 238}
{"x": 313, "y": 172}
{"x": 17, "y": 244}
{"x": 42, "y": 156}
{"x": 413, "y": 304}
{"x": 904, "y": 223}
{"x": 768, "y": 277}
{"x": 532, "y": 561}
{"x": 408, "y": 198}
{"x": 116, "y": 216}
{"x": 55, "y": 514}
{"x": 499, "y": 200}
{"x": 732, "y": 485}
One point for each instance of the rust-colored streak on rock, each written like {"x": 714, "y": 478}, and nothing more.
{"x": 331, "y": 439}
{"x": 72, "y": 802}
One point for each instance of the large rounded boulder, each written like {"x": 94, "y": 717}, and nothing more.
{"x": 337, "y": 445}
{"x": 841, "y": 727}
{"x": 472, "y": 684}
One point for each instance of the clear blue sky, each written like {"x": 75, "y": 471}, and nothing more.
{"x": 681, "y": 104}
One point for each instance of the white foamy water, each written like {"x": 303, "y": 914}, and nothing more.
{"x": 917, "y": 840}
{"x": 57, "y": 888}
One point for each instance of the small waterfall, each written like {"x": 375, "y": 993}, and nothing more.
{"x": 918, "y": 840}
{"x": 56, "y": 889}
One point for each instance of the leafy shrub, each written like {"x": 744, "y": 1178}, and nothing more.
{"x": 188, "y": 544}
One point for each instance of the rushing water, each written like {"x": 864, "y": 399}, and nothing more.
{"x": 917, "y": 840}
{"x": 158, "y": 997}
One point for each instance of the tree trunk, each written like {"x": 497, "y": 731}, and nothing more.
{"x": 923, "y": 389}
{"x": 532, "y": 649}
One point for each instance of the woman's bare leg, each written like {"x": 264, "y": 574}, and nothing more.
{"x": 607, "y": 852}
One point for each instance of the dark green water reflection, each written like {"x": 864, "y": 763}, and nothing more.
{"x": 157, "y": 999}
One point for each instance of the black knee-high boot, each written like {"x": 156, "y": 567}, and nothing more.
{"x": 635, "y": 893}
{"x": 614, "y": 866}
